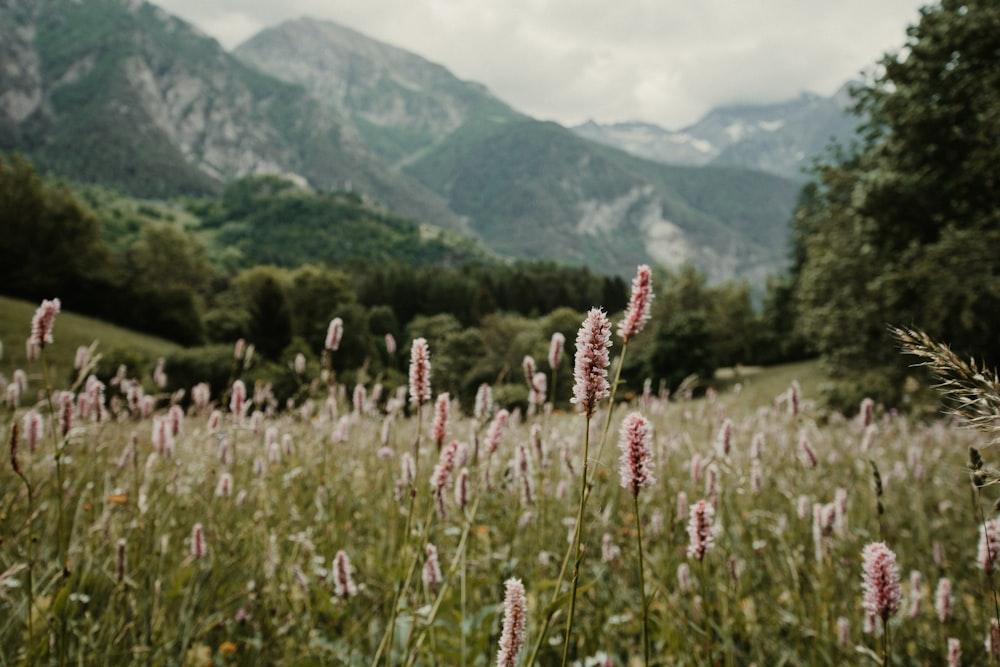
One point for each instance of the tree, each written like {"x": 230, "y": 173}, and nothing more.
{"x": 904, "y": 231}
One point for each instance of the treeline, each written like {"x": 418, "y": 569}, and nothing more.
{"x": 482, "y": 316}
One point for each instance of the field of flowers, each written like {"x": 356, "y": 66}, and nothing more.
{"x": 366, "y": 525}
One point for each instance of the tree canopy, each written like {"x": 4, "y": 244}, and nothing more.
{"x": 904, "y": 230}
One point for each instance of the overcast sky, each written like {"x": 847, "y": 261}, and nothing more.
{"x": 661, "y": 61}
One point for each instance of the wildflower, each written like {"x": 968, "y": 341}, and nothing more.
{"x": 514, "y": 613}
{"x": 700, "y": 529}
{"x": 334, "y": 333}
{"x": 197, "y": 541}
{"x": 407, "y": 467}
{"x": 420, "y": 373}
{"x": 591, "y": 369}
{"x": 440, "y": 427}
{"x": 755, "y": 476}
{"x": 538, "y": 389}
{"x": 224, "y": 488}
{"x": 432, "y": 569}
{"x": 724, "y": 440}
{"x": 954, "y": 652}
{"x": 484, "y": 402}
{"x": 176, "y": 416}
{"x": 556, "y": 346}
{"x": 496, "y": 430}
{"x": 442, "y": 472}
{"x": 880, "y": 581}
{"x": 390, "y": 344}
{"x": 34, "y": 426}
{"x": 989, "y": 544}
{"x": 462, "y": 489}
{"x": 343, "y": 585}
{"x": 807, "y": 451}
{"x": 42, "y": 321}
{"x": 636, "y": 463}
{"x": 300, "y": 363}
{"x": 523, "y": 466}
{"x": 942, "y": 599}
{"x": 159, "y": 376}
{"x": 359, "y": 399}
{"x": 756, "y": 445}
{"x": 865, "y": 413}
{"x": 238, "y": 398}
{"x": 238, "y": 349}
{"x": 528, "y": 364}
{"x": 538, "y": 443}
{"x": 637, "y": 313}
{"x": 793, "y": 398}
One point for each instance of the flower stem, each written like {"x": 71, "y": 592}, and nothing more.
{"x": 642, "y": 584}
{"x": 575, "y": 550}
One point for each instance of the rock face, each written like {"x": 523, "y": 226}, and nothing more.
{"x": 781, "y": 139}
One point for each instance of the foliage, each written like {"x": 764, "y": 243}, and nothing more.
{"x": 268, "y": 220}
{"x": 905, "y": 231}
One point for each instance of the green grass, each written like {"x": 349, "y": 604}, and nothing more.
{"x": 760, "y": 385}
{"x": 70, "y": 332}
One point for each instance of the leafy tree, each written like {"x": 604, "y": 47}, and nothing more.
{"x": 905, "y": 230}
{"x": 52, "y": 243}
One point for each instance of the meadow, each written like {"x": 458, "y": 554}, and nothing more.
{"x": 358, "y": 526}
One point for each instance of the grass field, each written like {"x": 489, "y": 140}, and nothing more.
{"x": 71, "y": 332}
{"x": 196, "y": 535}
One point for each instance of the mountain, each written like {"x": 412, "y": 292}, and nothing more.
{"x": 529, "y": 188}
{"x": 781, "y": 139}
{"x": 121, "y": 93}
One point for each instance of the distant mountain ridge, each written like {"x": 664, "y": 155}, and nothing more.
{"x": 782, "y": 138}
{"x": 120, "y": 92}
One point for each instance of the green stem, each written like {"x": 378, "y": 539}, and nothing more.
{"x": 575, "y": 550}
{"x": 642, "y": 583}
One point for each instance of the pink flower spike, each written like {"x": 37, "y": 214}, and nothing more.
{"x": 343, "y": 585}
{"x": 883, "y": 593}
{"x": 514, "y": 614}
{"x": 334, "y": 333}
{"x": 556, "y": 346}
{"x": 592, "y": 360}
{"x": 636, "y": 445}
{"x": 440, "y": 428}
{"x": 637, "y": 313}
{"x": 420, "y": 372}
{"x": 700, "y": 529}
{"x": 42, "y": 321}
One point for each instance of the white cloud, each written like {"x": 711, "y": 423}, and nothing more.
{"x": 664, "y": 61}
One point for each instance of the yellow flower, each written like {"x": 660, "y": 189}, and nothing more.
{"x": 227, "y": 648}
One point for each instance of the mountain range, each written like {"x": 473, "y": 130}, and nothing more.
{"x": 122, "y": 93}
{"x": 783, "y": 138}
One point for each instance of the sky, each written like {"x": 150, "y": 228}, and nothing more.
{"x": 666, "y": 62}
